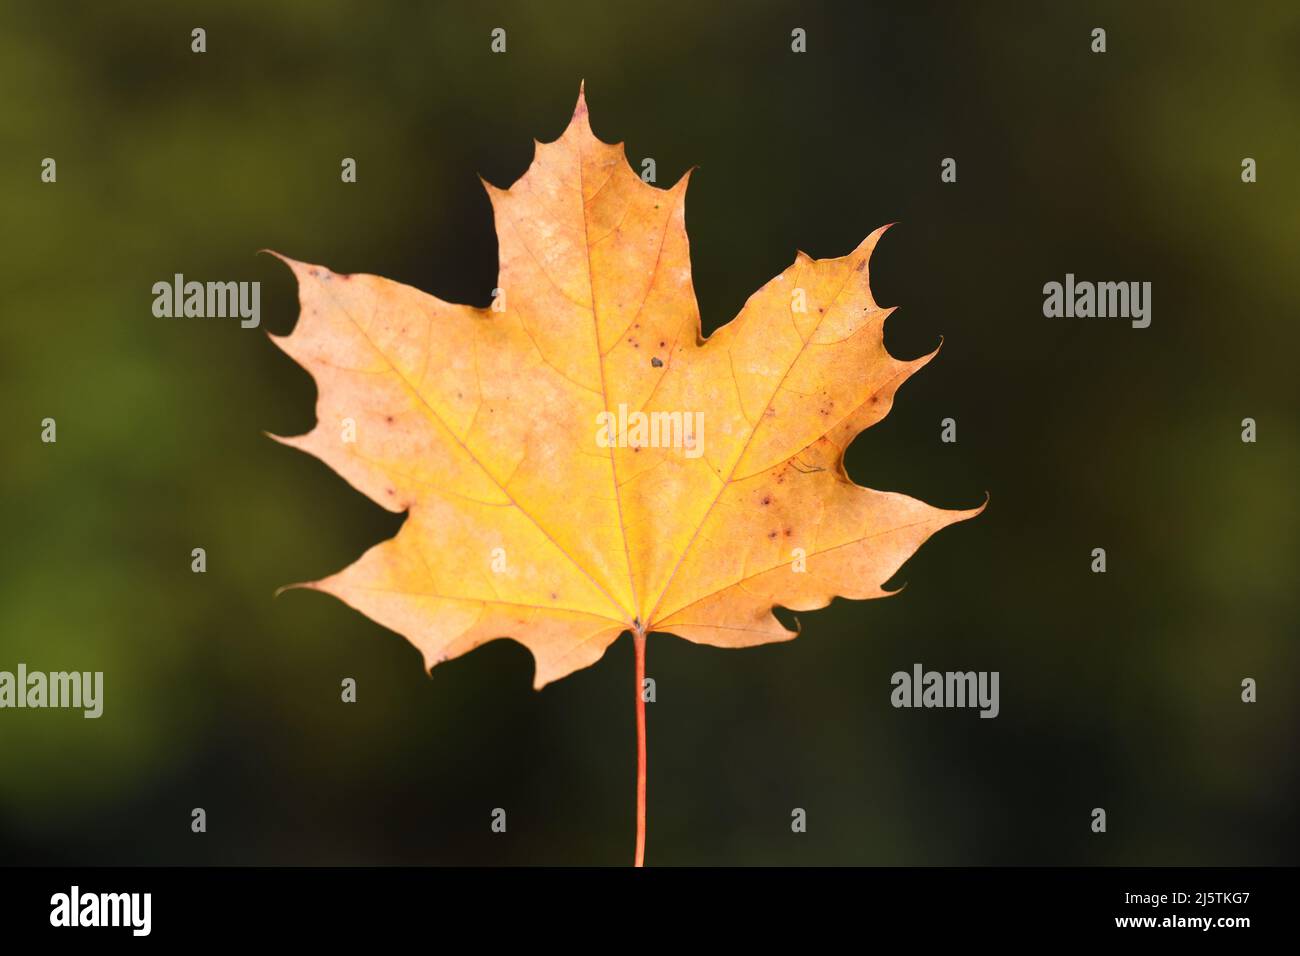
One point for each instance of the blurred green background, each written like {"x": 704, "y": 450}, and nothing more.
{"x": 1118, "y": 690}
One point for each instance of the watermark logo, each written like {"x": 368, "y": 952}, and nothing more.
{"x": 75, "y": 908}
{"x": 38, "y": 689}
{"x": 922, "y": 688}
{"x": 1102, "y": 300}
{"x": 624, "y": 429}
{"x": 208, "y": 300}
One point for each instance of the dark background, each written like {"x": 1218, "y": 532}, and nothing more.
{"x": 1119, "y": 690}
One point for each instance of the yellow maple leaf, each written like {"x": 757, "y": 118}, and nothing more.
{"x": 576, "y": 461}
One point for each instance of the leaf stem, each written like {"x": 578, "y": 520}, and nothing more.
{"x": 638, "y": 643}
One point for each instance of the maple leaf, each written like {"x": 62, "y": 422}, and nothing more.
{"x": 576, "y": 461}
